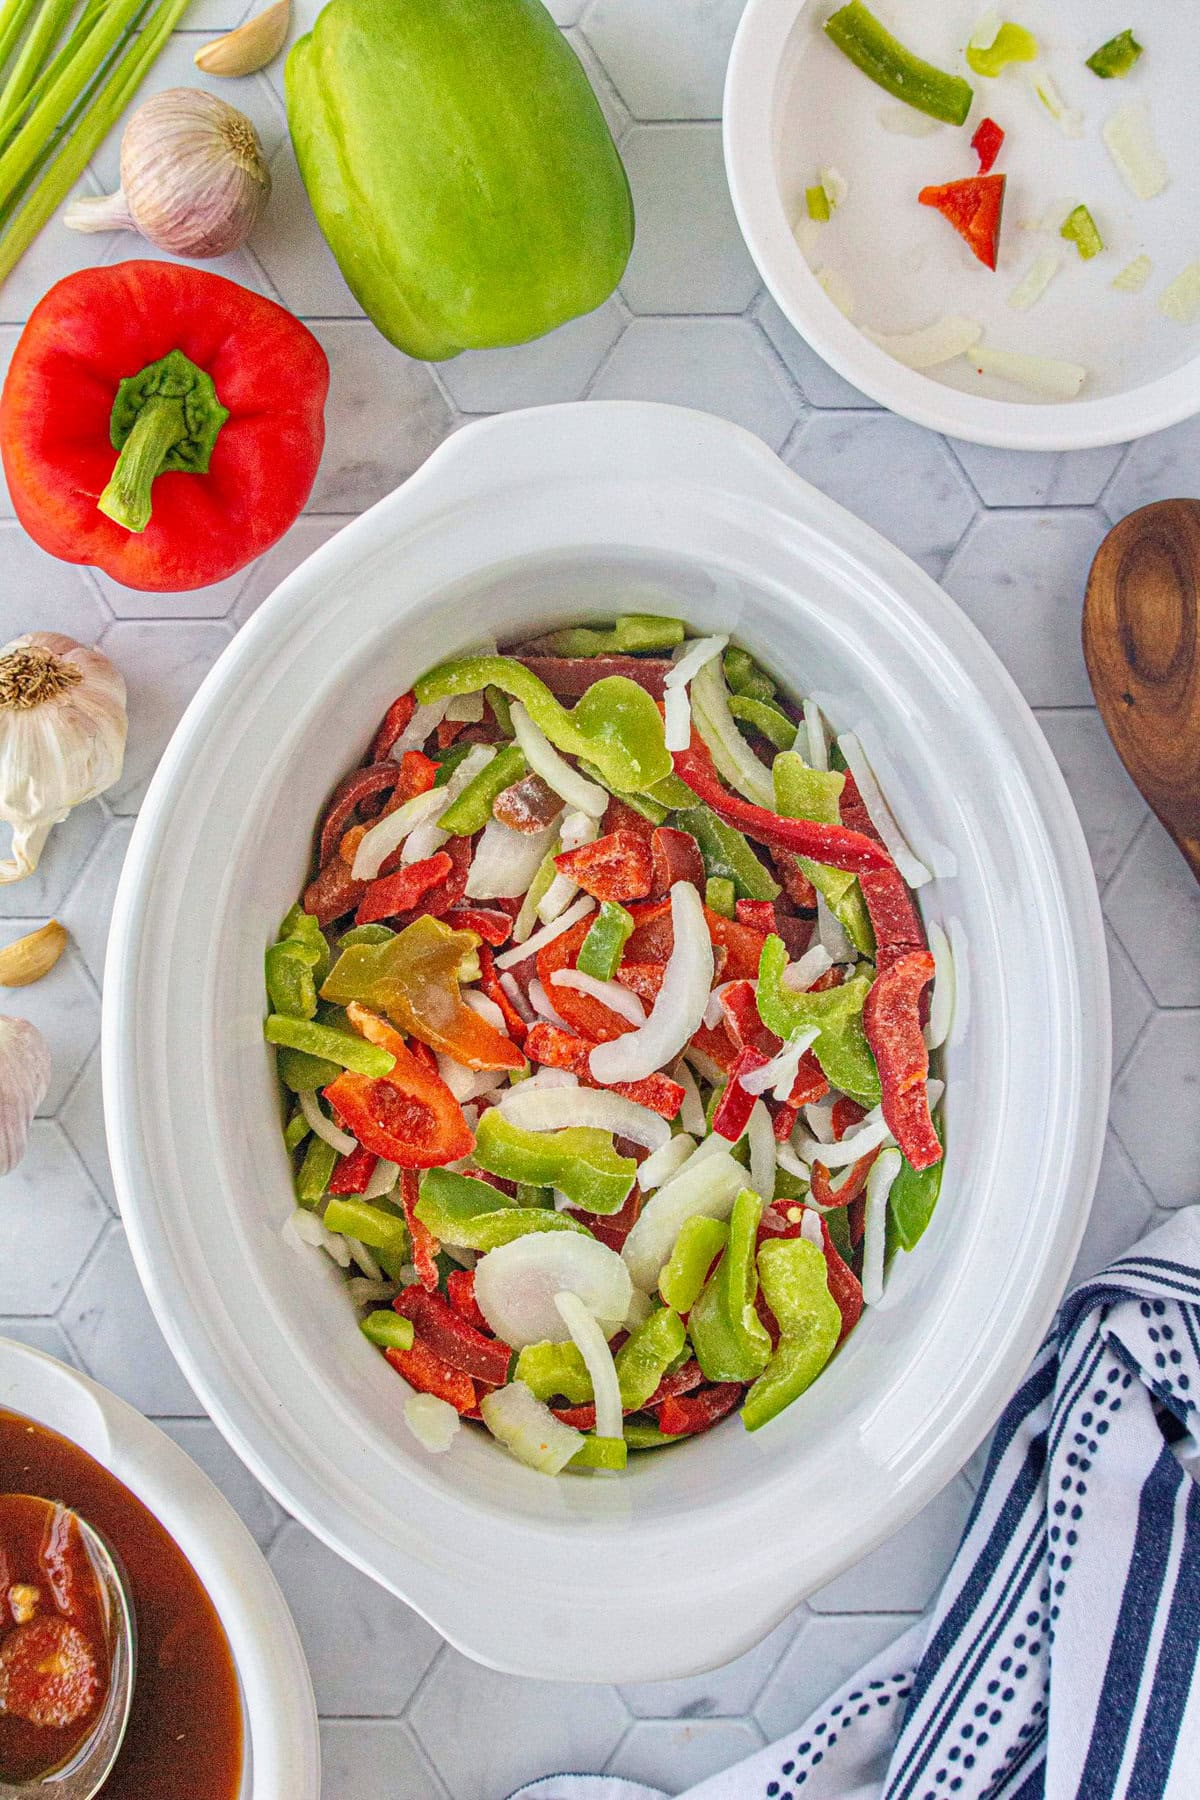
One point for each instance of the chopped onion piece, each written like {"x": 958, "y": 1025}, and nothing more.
{"x": 468, "y": 1084}
{"x": 838, "y": 289}
{"x": 692, "y": 659}
{"x": 717, "y": 726}
{"x": 433, "y": 1422}
{"x": 1180, "y": 299}
{"x": 547, "y": 1078}
{"x": 987, "y": 30}
{"x": 512, "y": 988}
{"x": 678, "y": 1009}
{"x": 818, "y": 1116}
{"x": 1129, "y": 138}
{"x": 835, "y": 185}
{"x": 304, "y": 1229}
{"x": 371, "y": 1293}
{"x": 539, "y": 999}
{"x": 713, "y": 1010}
{"x": 506, "y": 861}
{"x": 661, "y": 1164}
{"x": 691, "y": 1113}
{"x": 1035, "y": 281}
{"x": 940, "y": 342}
{"x": 677, "y": 719}
{"x": 1134, "y": 276}
{"x": 800, "y": 975}
{"x": 618, "y": 999}
{"x": 465, "y": 709}
{"x": 941, "y": 1003}
{"x": 905, "y": 121}
{"x": 1068, "y": 118}
{"x": 832, "y": 934}
{"x": 510, "y": 958}
{"x": 760, "y": 1137}
{"x": 377, "y": 844}
{"x": 324, "y": 1127}
{"x": 554, "y": 770}
{"x": 894, "y": 841}
{"x": 384, "y": 1177}
{"x": 780, "y": 1073}
{"x": 640, "y": 1308}
{"x": 528, "y": 1428}
{"x": 426, "y": 838}
{"x": 871, "y": 1133}
{"x": 362, "y": 1256}
{"x": 577, "y": 828}
{"x": 558, "y": 1108}
{"x": 1044, "y": 375}
{"x": 818, "y": 739}
{"x": 515, "y": 1285}
{"x": 592, "y": 1345}
{"x": 810, "y": 1227}
{"x": 707, "y": 1183}
{"x": 425, "y": 720}
{"x": 879, "y": 1185}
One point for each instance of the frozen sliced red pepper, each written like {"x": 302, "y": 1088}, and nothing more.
{"x": 460, "y": 1291}
{"x": 409, "y": 1115}
{"x": 394, "y": 894}
{"x": 438, "y": 900}
{"x": 850, "y": 1186}
{"x": 448, "y": 1335}
{"x": 620, "y": 817}
{"x": 557, "y": 1049}
{"x": 333, "y": 893}
{"x": 759, "y": 915}
{"x": 733, "y": 1109}
{"x": 583, "y": 1418}
{"x": 973, "y": 206}
{"x": 683, "y": 1381}
{"x": 811, "y": 1082}
{"x": 359, "y": 785}
{"x": 447, "y": 731}
{"x": 683, "y": 1415}
{"x": 424, "y": 1370}
{"x": 892, "y": 1023}
{"x": 613, "y": 1228}
{"x": 570, "y": 677}
{"x": 591, "y": 1018}
{"x": 617, "y": 867}
{"x": 489, "y": 984}
{"x": 423, "y": 1244}
{"x": 396, "y": 721}
{"x": 418, "y": 774}
{"x": 796, "y": 885}
{"x": 642, "y": 979}
{"x": 740, "y": 1009}
{"x": 846, "y": 1112}
{"x": 986, "y": 144}
{"x": 676, "y": 857}
{"x": 353, "y": 1172}
{"x": 493, "y": 927}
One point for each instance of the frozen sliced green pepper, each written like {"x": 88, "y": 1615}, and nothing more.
{"x": 449, "y": 762}
{"x": 697, "y": 1247}
{"x": 1079, "y": 228}
{"x": 388, "y": 1330}
{"x": 911, "y": 1201}
{"x": 296, "y": 1130}
{"x": 580, "y": 1161}
{"x": 639, "y": 1436}
{"x": 365, "y": 934}
{"x": 766, "y": 719}
{"x": 817, "y": 202}
{"x": 553, "y": 1371}
{"x": 601, "y": 950}
{"x": 616, "y": 725}
{"x": 859, "y": 35}
{"x": 344, "y": 1048}
{"x": 530, "y": 1195}
{"x": 289, "y": 966}
{"x": 473, "y": 808}
{"x": 743, "y": 675}
{"x": 804, "y": 793}
{"x": 730, "y": 1340}
{"x": 647, "y": 1354}
{"x": 536, "y": 892}
{"x": 1012, "y": 43}
{"x": 720, "y": 896}
{"x": 476, "y": 1216}
{"x": 500, "y": 708}
{"x": 302, "y": 1073}
{"x": 600, "y": 1453}
{"x": 630, "y": 633}
{"x": 313, "y": 1175}
{"x": 302, "y": 925}
{"x": 796, "y": 1289}
{"x": 727, "y": 854}
{"x": 1115, "y": 58}
{"x": 371, "y": 1225}
{"x": 836, "y": 1013}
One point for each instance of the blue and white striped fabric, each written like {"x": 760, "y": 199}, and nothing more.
{"x": 1060, "y": 1662}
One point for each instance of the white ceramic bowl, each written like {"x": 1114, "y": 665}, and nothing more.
{"x": 282, "y": 1752}
{"x": 794, "y": 104}
{"x": 567, "y": 513}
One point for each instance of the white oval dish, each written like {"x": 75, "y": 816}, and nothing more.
{"x": 517, "y": 522}
{"x": 794, "y": 103}
{"x": 282, "y": 1759}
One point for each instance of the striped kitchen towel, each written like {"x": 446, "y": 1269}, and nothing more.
{"x": 1060, "y": 1662}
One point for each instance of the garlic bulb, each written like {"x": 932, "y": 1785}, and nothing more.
{"x": 194, "y": 179}
{"x": 24, "y": 1079}
{"x": 62, "y": 738}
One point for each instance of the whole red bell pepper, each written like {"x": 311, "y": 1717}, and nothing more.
{"x": 161, "y": 423}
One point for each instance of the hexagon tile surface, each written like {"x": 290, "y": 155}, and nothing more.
{"x": 1010, "y": 536}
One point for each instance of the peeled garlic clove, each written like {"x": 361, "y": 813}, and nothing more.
{"x": 24, "y": 1079}
{"x": 251, "y": 47}
{"x": 28, "y": 958}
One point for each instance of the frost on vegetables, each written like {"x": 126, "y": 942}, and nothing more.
{"x": 601, "y": 1170}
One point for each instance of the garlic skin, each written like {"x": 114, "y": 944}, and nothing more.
{"x": 24, "y": 1079}
{"x": 62, "y": 739}
{"x": 194, "y": 179}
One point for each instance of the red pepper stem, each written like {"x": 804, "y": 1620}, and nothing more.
{"x": 167, "y": 416}
{"x": 159, "y": 426}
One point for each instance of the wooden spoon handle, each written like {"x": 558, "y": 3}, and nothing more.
{"x": 1141, "y": 641}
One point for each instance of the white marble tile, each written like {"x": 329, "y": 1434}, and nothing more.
{"x": 1158, "y": 467}
{"x": 1109, "y": 806}
{"x": 819, "y": 384}
{"x": 825, "y": 1653}
{"x": 261, "y": 1515}
{"x": 108, "y": 1319}
{"x": 720, "y": 365}
{"x": 50, "y": 1216}
{"x": 262, "y": 578}
{"x": 82, "y": 1118}
{"x": 1154, "y": 906}
{"x": 1038, "y": 478}
{"x": 67, "y": 849}
{"x": 1156, "y": 1107}
{"x": 565, "y": 12}
{"x": 87, "y": 909}
{"x": 383, "y": 417}
{"x": 1020, "y": 576}
{"x": 674, "y": 1754}
{"x": 65, "y": 1008}
{"x": 375, "y": 1759}
{"x": 40, "y": 1334}
{"x": 557, "y": 367}
{"x": 367, "y": 1651}
{"x": 924, "y": 505}
{"x": 667, "y": 57}
{"x": 287, "y": 242}
{"x": 40, "y": 593}
{"x": 163, "y": 661}
{"x": 518, "y": 1729}
{"x": 1131, "y": 1004}
{"x": 904, "y": 1573}
{"x": 1121, "y": 1213}
{"x": 688, "y": 254}
{"x": 720, "y": 1693}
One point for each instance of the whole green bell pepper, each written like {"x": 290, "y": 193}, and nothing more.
{"x": 460, "y": 169}
{"x": 730, "y": 1340}
{"x": 579, "y": 1161}
{"x": 796, "y": 1289}
{"x": 841, "y": 1049}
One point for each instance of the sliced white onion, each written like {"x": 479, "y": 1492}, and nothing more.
{"x": 487, "y": 1009}
{"x": 818, "y": 1116}
{"x": 691, "y": 658}
{"x": 780, "y": 1073}
{"x": 704, "y": 1066}
{"x": 465, "y": 709}
{"x": 717, "y": 726}
{"x": 512, "y": 988}
{"x": 427, "y": 838}
{"x": 1180, "y": 299}
{"x": 818, "y": 741}
{"x": 433, "y": 1422}
{"x": 787, "y": 1159}
{"x": 618, "y": 999}
{"x": 835, "y": 185}
{"x": 1134, "y": 276}
{"x": 468, "y": 1084}
{"x": 904, "y": 121}
{"x": 760, "y": 1136}
{"x": 304, "y": 1230}
{"x": 640, "y": 1308}
{"x": 931, "y": 345}
{"x": 810, "y": 1227}
{"x": 661, "y": 1164}
{"x": 515, "y": 1285}
{"x": 371, "y": 1293}
{"x": 1044, "y": 375}
{"x": 880, "y": 813}
{"x": 552, "y": 1111}
{"x": 540, "y": 1000}
{"x": 800, "y": 975}
{"x": 1130, "y": 141}
{"x": 1069, "y": 119}
{"x": 714, "y": 1012}
{"x": 869, "y": 1135}
{"x": 678, "y": 1008}
{"x": 548, "y": 1078}
{"x": 987, "y": 30}
{"x": 425, "y": 720}
{"x": 324, "y": 1127}
{"x": 527, "y": 1427}
{"x": 363, "y": 1257}
{"x": 832, "y": 933}
{"x": 941, "y": 1003}
{"x": 577, "y": 828}
{"x": 384, "y": 1177}
{"x": 506, "y": 861}
{"x": 377, "y": 844}
{"x": 677, "y": 718}
{"x": 582, "y": 907}
{"x": 884, "y": 1171}
{"x": 707, "y": 1184}
{"x": 557, "y": 773}
{"x": 592, "y": 1345}
{"x": 1035, "y": 281}
{"x": 691, "y": 1113}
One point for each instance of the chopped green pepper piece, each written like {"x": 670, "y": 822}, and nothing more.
{"x": 600, "y": 1453}
{"x": 647, "y": 1354}
{"x": 730, "y": 1340}
{"x": 476, "y": 1216}
{"x": 837, "y": 1223}
{"x": 766, "y": 719}
{"x": 817, "y": 202}
{"x": 601, "y": 950}
{"x": 302, "y": 925}
{"x": 529, "y": 1195}
{"x": 377, "y": 1229}
{"x": 639, "y": 1436}
{"x": 720, "y": 896}
{"x": 449, "y": 762}
{"x": 388, "y": 1330}
{"x": 645, "y": 804}
{"x": 841, "y": 1048}
{"x": 884, "y": 59}
{"x": 500, "y": 707}
{"x": 1079, "y": 228}
{"x": 796, "y": 1288}
{"x": 296, "y": 1130}
{"x": 552, "y": 1371}
{"x": 697, "y": 1247}
{"x": 727, "y": 854}
{"x": 580, "y": 1161}
{"x": 913, "y": 1196}
{"x": 289, "y": 969}
{"x": 742, "y": 674}
{"x": 392, "y": 1261}
{"x": 302, "y": 1073}
{"x": 631, "y": 633}
{"x": 312, "y": 1177}
{"x": 535, "y": 893}
{"x": 1115, "y": 58}
{"x": 473, "y": 808}
{"x": 804, "y": 793}
{"x": 616, "y": 725}
{"x": 365, "y": 934}
{"x": 1012, "y": 43}
{"x": 670, "y": 792}
{"x": 344, "y": 1048}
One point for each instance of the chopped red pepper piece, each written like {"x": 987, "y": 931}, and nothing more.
{"x": 811, "y": 1082}
{"x": 784, "y": 1121}
{"x": 676, "y": 857}
{"x": 529, "y": 805}
{"x": 759, "y": 915}
{"x": 489, "y": 984}
{"x": 642, "y": 979}
{"x": 831, "y": 844}
{"x": 460, "y": 1291}
{"x": 986, "y": 144}
{"x": 359, "y": 785}
{"x": 353, "y": 1172}
{"x": 392, "y": 895}
{"x": 425, "y": 1371}
{"x": 973, "y": 206}
{"x": 683, "y": 1381}
{"x": 733, "y": 1109}
{"x": 740, "y": 1008}
{"x": 436, "y": 903}
{"x": 683, "y": 1415}
{"x": 591, "y": 1018}
{"x": 447, "y": 731}
{"x": 409, "y": 1115}
{"x": 583, "y": 1418}
{"x": 570, "y": 677}
{"x": 396, "y": 721}
{"x": 448, "y": 1335}
{"x": 333, "y": 893}
{"x": 845, "y": 1113}
{"x": 418, "y": 774}
{"x": 557, "y": 1049}
{"x": 613, "y": 1228}
{"x": 620, "y": 817}
{"x": 493, "y": 927}
{"x": 849, "y": 1188}
{"x": 844, "y": 1285}
{"x": 796, "y": 885}
{"x": 892, "y": 1022}
{"x": 422, "y": 1242}
{"x": 741, "y": 943}
{"x": 617, "y": 867}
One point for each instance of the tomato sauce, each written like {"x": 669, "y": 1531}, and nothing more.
{"x": 184, "y": 1740}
